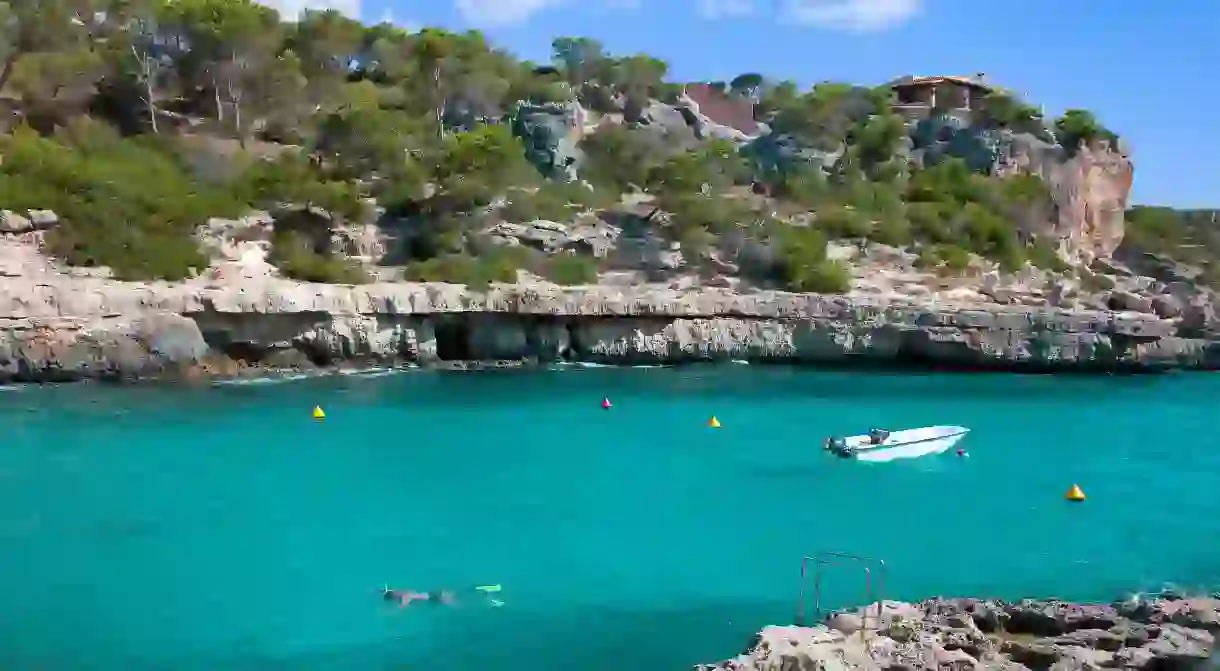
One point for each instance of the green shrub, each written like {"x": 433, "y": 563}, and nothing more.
{"x": 1044, "y": 256}
{"x": 1002, "y": 110}
{"x": 823, "y": 277}
{"x": 991, "y": 236}
{"x": 1023, "y": 189}
{"x": 930, "y": 222}
{"x": 1010, "y": 259}
{"x": 570, "y": 270}
{"x": 1080, "y": 126}
{"x": 802, "y": 266}
{"x": 802, "y": 186}
{"x": 843, "y": 222}
{"x": 126, "y": 204}
{"x": 926, "y": 257}
{"x": 550, "y": 202}
{"x": 894, "y": 231}
{"x": 944, "y": 259}
{"x": 800, "y": 245}
{"x": 293, "y": 253}
{"x": 292, "y": 178}
{"x": 956, "y": 260}
{"x": 1093, "y": 282}
{"x": 696, "y": 219}
{"x": 499, "y": 265}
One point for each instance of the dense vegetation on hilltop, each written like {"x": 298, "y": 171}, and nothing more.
{"x": 142, "y": 118}
{"x": 1189, "y": 238}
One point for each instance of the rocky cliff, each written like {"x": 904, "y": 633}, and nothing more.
{"x": 1163, "y": 633}
{"x": 1090, "y": 192}
{"x": 87, "y": 327}
{"x": 1089, "y": 186}
{"x": 64, "y": 324}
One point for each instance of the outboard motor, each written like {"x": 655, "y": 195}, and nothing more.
{"x": 839, "y": 447}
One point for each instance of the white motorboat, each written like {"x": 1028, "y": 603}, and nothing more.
{"x": 878, "y": 445}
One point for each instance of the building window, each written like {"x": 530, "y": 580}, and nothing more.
{"x": 952, "y": 97}
{"x": 909, "y": 95}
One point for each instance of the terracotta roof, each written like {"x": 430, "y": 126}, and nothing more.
{"x": 726, "y": 110}
{"x": 972, "y": 82}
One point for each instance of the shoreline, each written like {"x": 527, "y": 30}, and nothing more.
{"x": 133, "y": 331}
{"x": 207, "y": 374}
{"x": 1166, "y": 632}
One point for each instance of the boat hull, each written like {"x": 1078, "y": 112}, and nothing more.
{"x": 907, "y": 444}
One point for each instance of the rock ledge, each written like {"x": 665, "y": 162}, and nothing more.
{"x": 99, "y": 328}
{"x": 1164, "y": 633}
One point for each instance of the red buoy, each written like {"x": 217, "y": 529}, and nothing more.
{"x": 606, "y": 403}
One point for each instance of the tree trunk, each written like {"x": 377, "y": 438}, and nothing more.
{"x": 7, "y": 70}
{"x": 235, "y": 91}
{"x": 152, "y": 107}
{"x": 440, "y": 102}
{"x": 220, "y": 109}
{"x": 146, "y": 72}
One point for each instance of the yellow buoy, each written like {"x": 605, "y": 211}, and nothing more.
{"x": 1074, "y": 494}
{"x": 713, "y": 423}
{"x": 317, "y": 412}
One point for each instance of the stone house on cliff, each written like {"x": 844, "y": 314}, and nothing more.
{"x": 916, "y": 97}
{"x": 719, "y": 107}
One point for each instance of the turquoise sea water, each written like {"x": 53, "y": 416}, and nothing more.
{"x": 224, "y": 529}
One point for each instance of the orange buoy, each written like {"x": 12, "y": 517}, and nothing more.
{"x": 713, "y": 423}
{"x": 1075, "y": 494}
{"x": 606, "y": 403}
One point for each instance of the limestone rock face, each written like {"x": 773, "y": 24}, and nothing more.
{"x": 551, "y": 133}
{"x": 57, "y": 327}
{"x": 1090, "y": 191}
{"x": 966, "y": 635}
{"x": 151, "y": 344}
{"x": 1089, "y": 187}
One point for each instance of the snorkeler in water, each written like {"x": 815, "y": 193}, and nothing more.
{"x": 404, "y": 598}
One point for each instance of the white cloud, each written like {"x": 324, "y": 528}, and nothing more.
{"x": 724, "y": 9}
{"x": 388, "y": 16}
{"x": 502, "y": 12}
{"x": 493, "y": 13}
{"x": 291, "y": 9}
{"x": 857, "y": 16}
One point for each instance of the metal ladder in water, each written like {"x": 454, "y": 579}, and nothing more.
{"x": 874, "y": 575}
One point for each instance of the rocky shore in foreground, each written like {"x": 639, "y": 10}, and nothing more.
{"x": 1163, "y": 633}
{"x": 103, "y": 328}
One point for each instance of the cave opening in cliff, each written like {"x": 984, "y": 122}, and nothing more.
{"x": 453, "y": 338}
{"x": 248, "y": 352}
{"x": 575, "y": 346}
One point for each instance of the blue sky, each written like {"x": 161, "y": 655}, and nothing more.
{"x": 1145, "y": 67}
